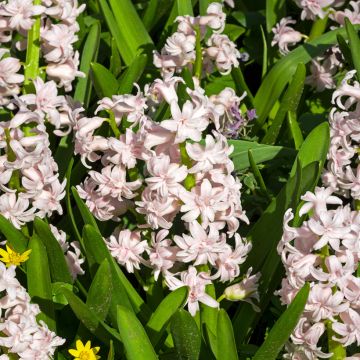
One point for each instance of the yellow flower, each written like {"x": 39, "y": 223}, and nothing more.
{"x": 10, "y": 257}
{"x": 84, "y": 352}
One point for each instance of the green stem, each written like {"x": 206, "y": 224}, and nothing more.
{"x": 33, "y": 52}
{"x": 338, "y": 350}
{"x": 318, "y": 28}
{"x": 189, "y": 181}
{"x": 198, "y": 60}
{"x": 113, "y": 125}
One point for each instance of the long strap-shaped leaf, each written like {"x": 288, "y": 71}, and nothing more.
{"x": 161, "y": 317}
{"x": 57, "y": 264}
{"x": 276, "y": 80}
{"x": 132, "y": 74}
{"x": 104, "y": 81}
{"x": 89, "y": 55}
{"x": 132, "y": 30}
{"x": 102, "y": 331}
{"x": 354, "y": 44}
{"x": 38, "y": 280}
{"x": 289, "y": 102}
{"x": 267, "y": 231}
{"x": 185, "y": 333}
{"x": 14, "y": 236}
{"x": 225, "y": 338}
{"x": 136, "y": 342}
{"x": 260, "y": 152}
{"x": 100, "y": 292}
{"x": 283, "y": 328}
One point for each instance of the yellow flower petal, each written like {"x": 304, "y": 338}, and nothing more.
{"x": 79, "y": 345}
{"x": 73, "y": 352}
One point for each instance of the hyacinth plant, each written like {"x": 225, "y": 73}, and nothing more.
{"x": 179, "y": 179}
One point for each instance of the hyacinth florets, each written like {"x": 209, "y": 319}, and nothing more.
{"x": 324, "y": 251}
{"x": 343, "y": 169}
{"x": 181, "y": 190}
{"x": 218, "y": 53}
{"x": 21, "y": 333}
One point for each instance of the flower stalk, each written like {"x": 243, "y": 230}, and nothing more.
{"x": 33, "y": 52}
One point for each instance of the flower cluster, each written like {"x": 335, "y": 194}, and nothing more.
{"x": 57, "y": 34}
{"x": 218, "y": 52}
{"x": 181, "y": 191}
{"x": 324, "y": 68}
{"x": 29, "y": 178}
{"x": 324, "y": 251}
{"x": 343, "y": 170}
{"x": 285, "y": 35}
{"x": 21, "y": 334}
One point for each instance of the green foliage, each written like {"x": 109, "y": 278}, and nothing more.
{"x": 187, "y": 339}
{"x": 283, "y": 328}
{"x": 57, "y": 264}
{"x": 136, "y": 342}
{"x": 89, "y": 55}
{"x": 39, "y": 282}
{"x": 15, "y": 237}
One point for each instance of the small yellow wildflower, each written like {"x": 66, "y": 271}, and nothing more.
{"x": 10, "y": 257}
{"x": 84, "y": 352}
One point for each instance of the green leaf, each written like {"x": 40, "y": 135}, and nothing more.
{"x": 295, "y": 129}
{"x": 123, "y": 291}
{"x": 275, "y": 10}
{"x": 89, "y": 55}
{"x": 161, "y": 317}
{"x": 203, "y": 5}
{"x": 136, "y": 342}
{"x": 132, "y": 74}
{"x": 257, "y": 174}
{"x": 123, "y": 47}
{"x": 260, "y": 152}
{"x": 274, "y": 83}
{"x": 225, "y": 337}
{"x": 39, "y": 282}
{"x": 133, "y": 33}
{"x": 209, "y": 317}
{"x": 99, "y": 296}
{"x": 187, "y": 339}
{"x": 57, "y": 264}
{"x": 345, "y": 50}
{"x": 263, "y": 256}
{"x": 58, "y": 297}
{"x": 150, "y": 15}
{"x": 283, "y": 328}
{"x": 68, "y": 201}
{"x": 86, "y": 215}
{"x": 289, "y": 102}
{"x": 184, "y": 7}
{"x": 315, "y": 147}
{"x": 15, "y": 237}
{"x": 115, "y": 60}
{"x": 111, "y": 354}
{"x": 233, "y": 31}
{"x": 102, "y": 331}
{"x": 104, "y": 81}
{"x": 354, "y": 44}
